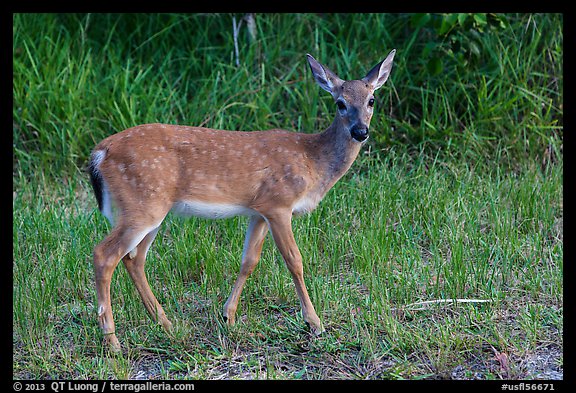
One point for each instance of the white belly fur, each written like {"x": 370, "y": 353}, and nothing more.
{"x": 210, "y": 210}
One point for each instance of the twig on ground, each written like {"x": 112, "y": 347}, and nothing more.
{"x": 448, "y": 302}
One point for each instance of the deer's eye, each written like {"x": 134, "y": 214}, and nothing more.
{"x": 341, "y": 105}
{"x": 371, "y": 102}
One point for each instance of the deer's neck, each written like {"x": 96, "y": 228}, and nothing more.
{"x": 335, "y": 153}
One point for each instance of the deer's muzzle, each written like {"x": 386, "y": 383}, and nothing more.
{"x": 359, "y": 132}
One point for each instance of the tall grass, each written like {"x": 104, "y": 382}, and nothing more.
{"x": 79, "y": 78}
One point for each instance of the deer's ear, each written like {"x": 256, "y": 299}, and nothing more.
{"x": 324, "y": 77}
{"x": 380, "y": 73}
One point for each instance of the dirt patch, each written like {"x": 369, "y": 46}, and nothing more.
{"x": 546, "y": 364}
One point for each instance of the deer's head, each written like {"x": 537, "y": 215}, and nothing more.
{"x": 355, "y": 98}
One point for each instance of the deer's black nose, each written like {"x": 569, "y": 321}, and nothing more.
{"x": 360, "y": 133}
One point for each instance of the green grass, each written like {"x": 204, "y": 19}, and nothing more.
{"x": 458, "y": 195}
{"x": 380, "y": 241}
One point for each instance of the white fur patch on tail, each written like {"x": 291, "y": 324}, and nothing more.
{"x": 97, "y": 157}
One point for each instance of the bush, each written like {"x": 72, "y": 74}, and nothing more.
{"x": 479, "y": 87}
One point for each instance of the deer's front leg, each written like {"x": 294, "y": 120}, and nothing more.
{"x": 281, "y": 228}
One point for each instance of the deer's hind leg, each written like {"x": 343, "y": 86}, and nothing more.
{"x": 257, "y": 230}
{"x": 107, "y": 254}
{"x": 134, "y": 262}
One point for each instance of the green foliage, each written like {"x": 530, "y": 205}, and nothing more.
{"x": 458, "y": 37}
{"x": 480, "y": 83}
{"x": 468, "y": 85}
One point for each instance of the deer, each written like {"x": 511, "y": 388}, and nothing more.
{"x": 141, "y": 174}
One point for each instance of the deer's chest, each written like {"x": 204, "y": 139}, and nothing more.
{"x": 307, "y": 202}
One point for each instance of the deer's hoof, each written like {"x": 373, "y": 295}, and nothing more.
{"x": 111, "y": 343}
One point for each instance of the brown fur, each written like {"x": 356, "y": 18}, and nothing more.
{"x": 148, "y": 170}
